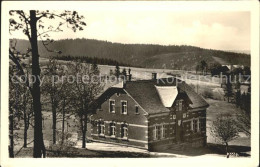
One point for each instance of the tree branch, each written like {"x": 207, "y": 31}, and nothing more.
{"x": 14, "y": 59}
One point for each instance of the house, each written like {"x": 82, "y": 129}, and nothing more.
{"x": 151, "y": 114}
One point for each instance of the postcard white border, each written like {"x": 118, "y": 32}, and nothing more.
{"x": 252, "y": 6}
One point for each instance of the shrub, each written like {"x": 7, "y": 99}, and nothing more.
{"x": 207, "y": 93}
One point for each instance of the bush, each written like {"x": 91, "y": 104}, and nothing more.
{"x": 207, "y": 93}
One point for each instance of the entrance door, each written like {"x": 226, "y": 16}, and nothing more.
{"x": 179, "y": 128}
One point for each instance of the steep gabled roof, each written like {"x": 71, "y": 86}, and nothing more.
{"x": 146, "y": 94}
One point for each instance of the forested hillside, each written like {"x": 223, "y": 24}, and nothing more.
{"x": 142, "y": 55}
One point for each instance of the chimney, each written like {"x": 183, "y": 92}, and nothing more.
{"x": 154, "y": 76}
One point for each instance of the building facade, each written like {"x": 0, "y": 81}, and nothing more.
{"x": 151, "y": 114}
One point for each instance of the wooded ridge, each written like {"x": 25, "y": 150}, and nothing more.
{"x": 142, "y": 55}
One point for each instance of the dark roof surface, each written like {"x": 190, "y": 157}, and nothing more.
{"x": 145, "y": 93}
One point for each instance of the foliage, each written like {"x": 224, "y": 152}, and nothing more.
{"x": 207, "y": 93}
{"x": 54, "y": 88}
{"x": 225, "y": 129}
{"x": 84, "y": 93}
{"x": 117, "y": 71}
{"x": 32, "y": 25}
{"x": 244, "y": 114}
{"x": 228, "y": 88}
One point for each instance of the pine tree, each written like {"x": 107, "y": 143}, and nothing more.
{"x": 117, "y": 71}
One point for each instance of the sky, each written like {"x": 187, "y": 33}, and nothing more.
{"x": 215, "y": 30}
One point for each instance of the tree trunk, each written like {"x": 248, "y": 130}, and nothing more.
{"x": 227, "y": 150}
{"x": 83, "y": 129}
{"x": 63, "y": 121}
{"x": 25, "y": 129}
{"x": 54, "y": 123}
{"x": 38, "y": 144}
{"x": 11, "y": 134}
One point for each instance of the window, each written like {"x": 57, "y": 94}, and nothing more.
{"x": 199, "y": 125}
{"x": 102, "y": 132}
{"x": 136, "y": 110}
{"x": 163, "y": 131}
{"x": 180, "y": 105}
{"x": 112, "y": 106}
{"x": 173, "y": 116}
{"x": 113, "y": 129}
{"x": 124, "y": 131}
{"x": 156, "y": 132}
{"x": 184, "y": 115}
{"x": 195, "y": 125}
{"x": 124, "y": 107}
{"x": 101, "y": 127}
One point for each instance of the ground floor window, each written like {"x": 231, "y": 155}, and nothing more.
{"x": 124, "y": 132}
{"x": 156, "y": 132}
{"x": 163, "y": 131}
{"x": 195, "y": 125}
{"x": 101, "y": 127}
{"x": 159, "y": 132}
{"x": 112, "y": 129}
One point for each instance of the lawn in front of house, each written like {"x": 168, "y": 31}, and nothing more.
{"x": 218, "y": 107}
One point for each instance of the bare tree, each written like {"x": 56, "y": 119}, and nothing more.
{"x": 52, "y": 88}
{"x": 17, "y": 106}
{"x": 30, "y": 24}
{"x": 224, "y": 129}
{"x": 87, "y": 86}
{"x": 27, "y": 113}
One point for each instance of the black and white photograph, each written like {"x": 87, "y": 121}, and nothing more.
{"x": 155, "y": 82}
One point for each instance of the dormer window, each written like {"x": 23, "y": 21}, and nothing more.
{"x": 112, "y": 106}
{"x": 179, "y": 104}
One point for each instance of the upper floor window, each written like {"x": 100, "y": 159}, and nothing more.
{"x": 112, "y": 106}
{"x": 179, "y": 104}
{"x": 112, "y": 129}
{"x": 173, "y": 116}
{"x": 124, "y": 107}
{"x": 124, "y": 131}
{"x": 136, "y": 110}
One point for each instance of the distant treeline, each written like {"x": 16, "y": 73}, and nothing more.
{"x": 140, "y": 55}
{"x": 91, "y": 60}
